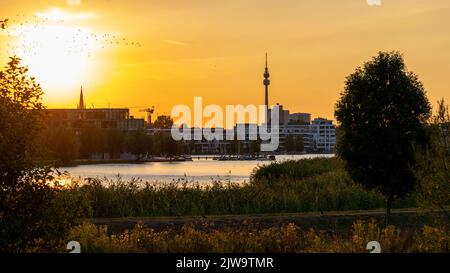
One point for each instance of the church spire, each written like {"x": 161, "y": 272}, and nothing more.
{"x": 81, "y": 105}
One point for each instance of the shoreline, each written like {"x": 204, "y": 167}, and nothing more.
{"x": 86, "y": 162}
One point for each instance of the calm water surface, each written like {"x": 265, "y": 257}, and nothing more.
{"x": 202, "y": 171}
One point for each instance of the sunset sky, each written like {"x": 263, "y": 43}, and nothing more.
{"x": 139, "y": 53}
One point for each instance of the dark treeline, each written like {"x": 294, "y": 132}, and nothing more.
{"x": 66, "y": 145}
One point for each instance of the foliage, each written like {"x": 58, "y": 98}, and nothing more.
{"x": 323, "y": 185}
{"x": 249, "y": 238}
{"x": 294, "y": 144}
{"x": 115, "y": 140}
{"x": 433, "y": 165}
{"x": 296, "y": 169}
{"x": 92, "y": 141}
{"x": 61, "y": 144}
{"x": 139, "y": 143}
{"x": 165, "y": 145}
{"x": 65, "y": 145}
{"x": 382, "y": 114}
{"x": 28, "y": 195}
{"x": 163, "y": 122}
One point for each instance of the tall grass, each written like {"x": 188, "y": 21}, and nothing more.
{"x": 250, "y": 239}
{"x": 293, "y": 186}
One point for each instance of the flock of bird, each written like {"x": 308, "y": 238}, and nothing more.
{"x": 31, "y": 34}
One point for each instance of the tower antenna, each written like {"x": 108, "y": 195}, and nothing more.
{"x": 266, "y": 87}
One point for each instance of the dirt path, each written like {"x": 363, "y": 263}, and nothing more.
{"x": 331, "y": 222}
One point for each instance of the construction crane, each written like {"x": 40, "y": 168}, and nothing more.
{"x": 149, "y": 112}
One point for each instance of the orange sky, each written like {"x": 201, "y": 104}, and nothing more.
{"x": 140, "y": 53}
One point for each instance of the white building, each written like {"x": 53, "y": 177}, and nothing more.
{"x": 324, "y": 135}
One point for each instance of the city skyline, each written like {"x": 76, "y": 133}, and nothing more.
{"x": 164, "y": 54}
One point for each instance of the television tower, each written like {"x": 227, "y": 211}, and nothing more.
{"x": 266, "y": 85}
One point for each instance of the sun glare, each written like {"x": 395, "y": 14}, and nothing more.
{"x": 58, "y": 55}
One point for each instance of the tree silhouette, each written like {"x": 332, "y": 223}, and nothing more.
{"x": 382, "y": 113}
{"x": 28, "y": 210}
{"x": 434, "y": 165}
{"x": 61, "y": 144}
{"x": 163, "y": 122}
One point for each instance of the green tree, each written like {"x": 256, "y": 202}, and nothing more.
{"x": 299, "y": 144}
{"x": 92, "y": 141}
{"x": 294, "y": 144}
{"x": 163, "y": 122}
{"x": 165, "y": 145}
{"x": 115, "y": 140}
{"x": 28, "y": 207}
{"x": 235, "y": 146}
{"x": 140, "y": 144}
{"x": 382, "y": 113}
{"x": 62, "y": 144}
{"x": 255, "y": 146}
{"x": 433, "y": 169}
{"x": 290, "y": 144}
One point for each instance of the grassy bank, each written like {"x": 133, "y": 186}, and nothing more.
{"x": 250, "y": 239}
{"x": 294, "y": 186}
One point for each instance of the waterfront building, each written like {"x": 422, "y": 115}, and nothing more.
{"x": 318, "y": 135}
{"x": 101, "y": 118}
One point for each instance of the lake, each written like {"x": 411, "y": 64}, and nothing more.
{"x": 201, "y": 171}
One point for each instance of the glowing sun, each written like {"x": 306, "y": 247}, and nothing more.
{"x": 58, "y": 54}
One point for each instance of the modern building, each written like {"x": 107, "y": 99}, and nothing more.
{"x": 299, "y": 119}
{"x": 324, "y": 134}
{"x": 101, "y": 118}
{"x": 318, "y": 135}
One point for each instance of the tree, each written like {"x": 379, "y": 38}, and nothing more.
{"x": 433, "y": 170}
{"x": 163, "y": 122}
{"x": 115, "y": 140}
{"x": 294, "y": 144}
{"x": 255, "y": 146}
{"x": 165, "y": 145}
{"x": 140, "y": 144}
{"x": 235, "y": 146}
{"x": 299, "y": 145}
{"x": 290, "y": 144}
{"x": 27, "y": 190}
{"x": 382, "y": 113}
{"x": 62, "y": 144}
{"x": 92, "y": 141}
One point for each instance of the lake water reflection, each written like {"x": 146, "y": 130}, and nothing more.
{"x": 201, "y": 171}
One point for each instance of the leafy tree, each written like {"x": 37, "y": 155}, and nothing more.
{"x": 294, "y": 144}
{"x": 139, "y": 143}
{"x": 235, "y": 146}
{"x": 433, "y": 169}
{"x": 382, "y": 113}
{"x": 299, "y": 144}
{"x": 290, "y": 144}
{"x": 28, "y": 192}
{"x": 62, "y": 144}
{"x": 115, "y": 140}
{"x": 165, "y": 145}
{"x": 92, "y": 141}
{"x": 163, "y": 122}
{"x": 255, "y": 146}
